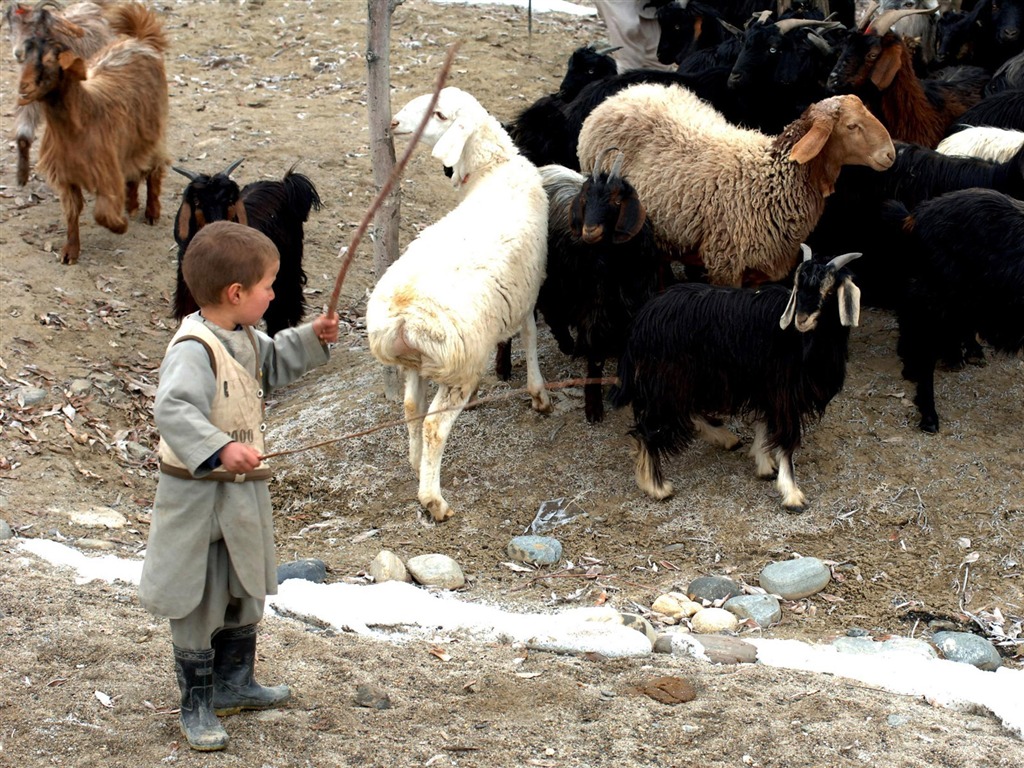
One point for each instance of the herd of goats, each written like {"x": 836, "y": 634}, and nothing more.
{"x": 713, "y": 228}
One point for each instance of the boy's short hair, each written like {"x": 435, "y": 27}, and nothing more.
{"x": 223, "y": 253}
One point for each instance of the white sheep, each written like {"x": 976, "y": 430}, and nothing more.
{"x": 985, "y": 142}
{"x": 735, "y": 200}
{"x": 465, "y": 283}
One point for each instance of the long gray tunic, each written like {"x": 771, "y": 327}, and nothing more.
{"x": 189, "y": 514}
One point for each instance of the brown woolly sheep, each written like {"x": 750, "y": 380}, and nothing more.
{"x": 736, "y": 201}
{"x": 104, "y": 128}
{"x": 82, "y": 27}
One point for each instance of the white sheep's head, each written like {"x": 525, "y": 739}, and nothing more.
{"x": 455, "y": 116}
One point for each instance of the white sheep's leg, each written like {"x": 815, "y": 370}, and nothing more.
{"x": 415, "y": 404}
{"x": 716, "y": 434}
{"x": 444, "y": 410}
{"x": 793, "y": 498}
{"x": 534, "y": 378}
{"x": 762, "y": 458}
{"x": 648, "y": 474}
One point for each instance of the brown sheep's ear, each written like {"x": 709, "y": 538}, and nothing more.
{"x": 886, "y": 67}
{"x": 184, "y": 214}
{"x": 576, "y": 212}
{"x": 631, "y": 218}
{"x": 812, "y": 142}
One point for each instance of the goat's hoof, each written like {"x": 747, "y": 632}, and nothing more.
{"x": 22, "y": 175}
{"x": 929, "y": 424}
{"x": 68, "y": 257}
{"x": 658, "y": 492}
{"x": 770, "y": 474}
{"x": 795, "y": 507}
{"x": 542, "y": 404}
{"x": 595, "y": 417}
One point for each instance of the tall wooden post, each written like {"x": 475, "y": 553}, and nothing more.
{"x": 384, "y": 232}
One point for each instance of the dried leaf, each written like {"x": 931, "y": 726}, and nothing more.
{"x": 103, "y": 699}
{"x": 441, "y": 654}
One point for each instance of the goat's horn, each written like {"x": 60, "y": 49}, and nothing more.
{"x": 883, "y": 23}
{"x": 806, "y": 251}
{"x": 841, "y": 261}
{"x": 617, "y": 164}
{"x": 866, "y": 19}
{"x": 734, "y": 31}
{"x": 760, "y": 18}
{"x": 820, "y": 43}
{"x": 599, "y": 162}
{"x": 47, "y": 4}
{"x": 608, "y": 50}
{"x": 234, "y": 165}
{"x": 788, "y": 25}
{"x": 187, "y": 174}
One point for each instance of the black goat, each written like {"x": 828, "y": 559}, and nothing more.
{"x": 1009, "y": 76}
{"x": 775, "y": 354}
{"x": 533, "y": 128}
{"x": 689, "y": 27}
{"x": 968, "y": 277}
{"x": 278, "y": 209}
{"x": 852, "y": 217}
{"x": 603, "y": 266}
{"x": 1000, "y": 110}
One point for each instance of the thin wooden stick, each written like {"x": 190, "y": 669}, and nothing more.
{"x": 471, "y": 404}
{"x": 392, "y": 179}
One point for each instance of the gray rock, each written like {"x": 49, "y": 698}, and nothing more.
{"x": 309, "y": 569}
{"x": 79, "y": 387}
{"x": 719, "y": 649}
{"x": 30, "y": 395}
{"x": 436, "y": 571}
{"x": 968, "y": 648}
{"x": 793, "y": 579}
{"x": 542, "y": 550}
{"x": 763, "y": 609}
{"x": 897, "y": 720}
{"x": 136, "y": 451}
{"x": 909, "y": 645}
{"x": 372, "y": 697}
{"x": 98, "y": 544}
{"x": 713, "y": 588}
{"x": 5, "y": 530}
{"x": 387, "y": 566}
{"x": 857, "y": 632}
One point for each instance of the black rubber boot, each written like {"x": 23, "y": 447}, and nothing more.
{"x": 195, "y": 679}
{"x": 234, "y": 687}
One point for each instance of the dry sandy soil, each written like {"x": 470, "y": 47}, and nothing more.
{"x": 919, "y": 527}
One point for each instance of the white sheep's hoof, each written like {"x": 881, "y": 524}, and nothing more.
{"x": 541, "y": 403}
{"x": 439, "y": 510}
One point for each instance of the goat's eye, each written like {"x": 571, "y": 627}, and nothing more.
{"x": 590, "y": 71}
{"x": 773, "y": 50}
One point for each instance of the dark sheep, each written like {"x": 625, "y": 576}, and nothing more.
{"x": 278, "y": 209}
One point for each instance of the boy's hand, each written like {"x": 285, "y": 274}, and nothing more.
{"x": 239, "y": 458}
{"x": 326, "y": 328}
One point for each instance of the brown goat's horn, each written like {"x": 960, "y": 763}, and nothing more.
{"x": 883, "y": 23}
{"x": 788, "y": 25}
{"x": 187, "y": 174}
{"x": 866, "y": 19}
{"x": 234, "y": 165}
{"x": 841, "y": 261}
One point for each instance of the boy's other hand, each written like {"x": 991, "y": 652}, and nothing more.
{"x": 239, "y": 458}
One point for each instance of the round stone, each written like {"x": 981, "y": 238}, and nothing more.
{"x": 541, "y": 550}
{"x": 309, "y": 569}
{"x": 764, "y": 610}
{"x": 436, "y": 570}
{"x": 387, "y": 566}
{"x": 711, "y": 620}
{"x": 968, "y": 648}
{"x": 713, "y": 589}
{"x": 793, "y": 579}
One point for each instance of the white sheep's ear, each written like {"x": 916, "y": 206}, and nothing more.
{"x": 790, "y": 311}
{"x": 448, "y": 148}
{"x": 849, "y": 303}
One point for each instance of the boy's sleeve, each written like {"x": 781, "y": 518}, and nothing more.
{"x": 291, "y": 353}
{"x": 184, "y": 398}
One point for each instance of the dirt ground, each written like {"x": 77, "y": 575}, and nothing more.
{"x": 918, "y": 527}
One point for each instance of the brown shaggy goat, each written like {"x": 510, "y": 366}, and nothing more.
{"x": 104, "y": 127}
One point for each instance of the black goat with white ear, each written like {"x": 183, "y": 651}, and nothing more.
{"x": 603, "y": 266}
{"x": 278, "y": 209}
{"x": 777, "y": 355}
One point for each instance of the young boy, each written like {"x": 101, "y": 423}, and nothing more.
{"x": 210, "y": 559}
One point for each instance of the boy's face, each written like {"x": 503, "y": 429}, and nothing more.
{"x": 254, "y": 301}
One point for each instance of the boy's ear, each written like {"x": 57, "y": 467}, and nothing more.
{"x": 233, "y": 293}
